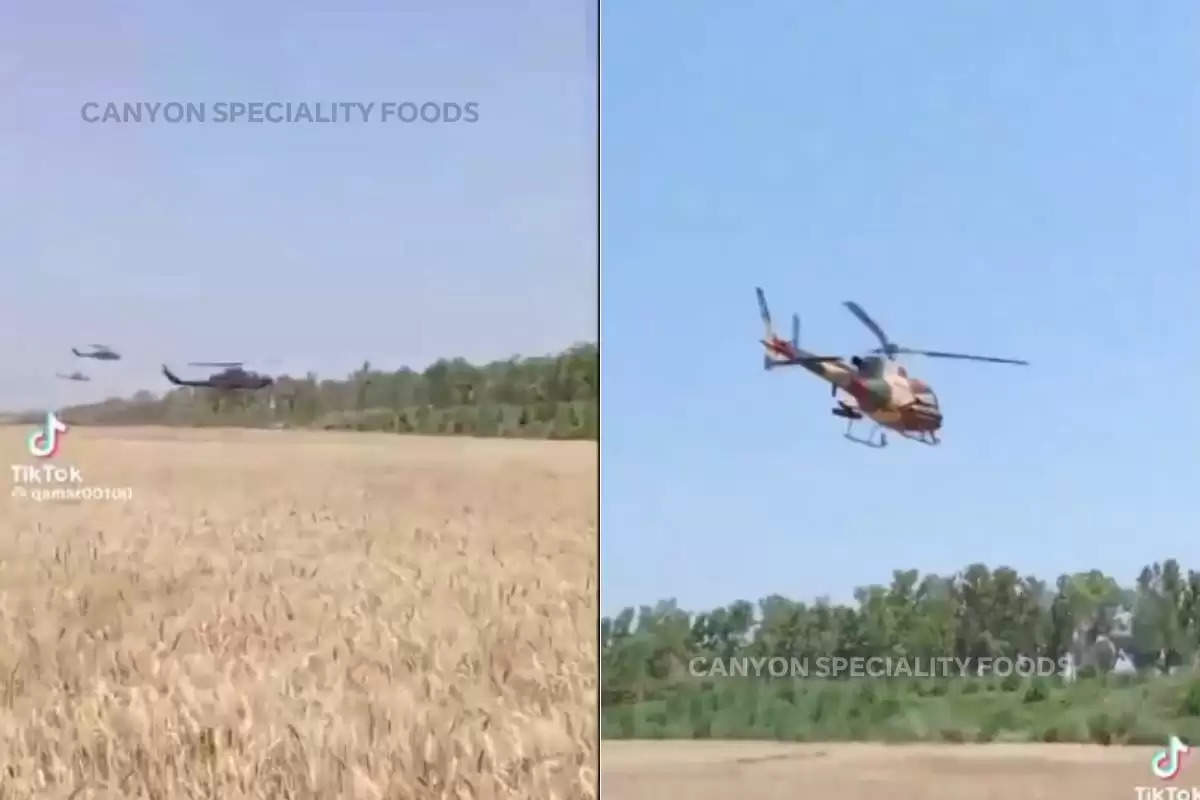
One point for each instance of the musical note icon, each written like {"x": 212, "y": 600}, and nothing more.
{"x": 43, "y": 442}
{"x": 1167, "y": 763}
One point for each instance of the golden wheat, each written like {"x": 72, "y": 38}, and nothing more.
{"x": 287, "y": 614}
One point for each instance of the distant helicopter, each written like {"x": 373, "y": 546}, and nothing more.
{"x": 99, "y": 351}
{"x": 232, "y": 378}
{"x": 74, "y": 376}
{"x": 870, "y": 386}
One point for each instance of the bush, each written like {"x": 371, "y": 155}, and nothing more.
{"x": 953, "y": 735}
{"x": 545, "y": 411}
{"x": 900, "y": 732}
{"x": 1191, "y": 701}
{"x": 885, "y": 708}
{"x": 677, "y": 704}
{"x": 625, "y": 722}
{"x": 700, "y": 708}
{"x": 866, "y": 692}
{"x": 1100, "y": 728}
{"x": 787, "y": 726}
{"x": 929, "y": 687}
{"x": 1037, "y": 692}
{"x": 1001, "y": 720}
{"x": 825, "y": 705}
{"x": 1123, "y": 680}
{"x": 1124, "y": 727}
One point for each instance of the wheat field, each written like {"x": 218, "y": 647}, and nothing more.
{"x": 301, "y": 614}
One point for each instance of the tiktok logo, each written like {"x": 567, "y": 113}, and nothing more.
{"x": 44, "y": 441}
{"x": 1167, "y": 763}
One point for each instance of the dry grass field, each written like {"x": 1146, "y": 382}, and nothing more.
{"x": 301, "y": 614}
{"x": 713, "y": 770}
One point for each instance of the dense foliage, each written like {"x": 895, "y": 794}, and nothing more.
{"x": 546, "y": 397}
{"x": 1146, "y": 633}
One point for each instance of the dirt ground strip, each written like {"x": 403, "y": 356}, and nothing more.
{"x": 704, "y": 770}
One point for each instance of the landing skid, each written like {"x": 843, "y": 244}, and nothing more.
{"x": 876, "y": 438}
{"x": 925, "y": 437}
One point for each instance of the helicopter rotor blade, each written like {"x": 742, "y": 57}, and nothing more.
{"x": 888, "y": 348}
{"x": 804, "y": 360}
{"x": 964, "y": 356}
{"x": 215, "y": 363}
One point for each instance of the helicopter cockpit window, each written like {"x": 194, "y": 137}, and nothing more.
{"x": 927, "y": 398}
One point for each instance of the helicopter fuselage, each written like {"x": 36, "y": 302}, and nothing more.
{"x": 871, "y": 386}
{"x": 234, "y": 379}
{"x": 249, "y": 384}
{"x": 889, "y": 397}
{"x": 230, "y": 380}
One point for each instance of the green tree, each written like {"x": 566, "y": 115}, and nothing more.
{"x": 547, "y": 396}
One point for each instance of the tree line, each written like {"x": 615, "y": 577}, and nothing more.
{"x": 977, "y": 613}
{"x": 555, "y": 396}
{"x": 1123, "y": 641}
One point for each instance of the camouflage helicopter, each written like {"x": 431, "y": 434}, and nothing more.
{"x": 871, "y": 386}
{"x": 74, "y": 376}
{"x": 232, "y": 378}
{"x": 101, "y": 352}
{"x": 225, "y": 383}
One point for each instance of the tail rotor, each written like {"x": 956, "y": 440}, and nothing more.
{"x": 765, "y": 314}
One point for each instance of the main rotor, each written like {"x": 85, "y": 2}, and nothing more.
{"x": 891, "y": 349}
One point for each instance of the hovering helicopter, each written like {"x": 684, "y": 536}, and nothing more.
{"x": 232, "y": 378}
{"x": 99, "y": 351}
{"x": 74, "y": 376}
{"x": 871, "y": 386}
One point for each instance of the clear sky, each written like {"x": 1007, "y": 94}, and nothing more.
{"x": 1012, "y": 179}
{"x": 294, "y": 247}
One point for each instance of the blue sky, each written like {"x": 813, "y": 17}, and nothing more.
{"x": 1008, "y": 179}
{"x": 293, "y": 247}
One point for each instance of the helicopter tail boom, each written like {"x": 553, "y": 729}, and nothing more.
{"x": 781, "y": 352}
{"x": 175, "y": 379}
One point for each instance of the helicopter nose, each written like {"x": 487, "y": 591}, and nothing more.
{"x": 926, "y": 418}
